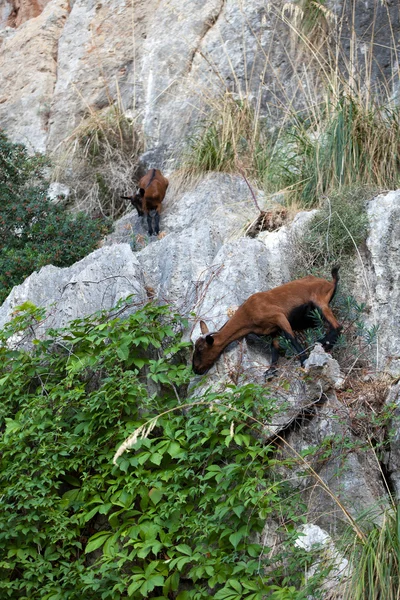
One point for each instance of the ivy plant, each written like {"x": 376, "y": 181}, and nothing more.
{"x": 180, "y": 516}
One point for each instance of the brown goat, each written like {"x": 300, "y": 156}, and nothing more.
{"x": 282, "y": 309}
{"x": 148, "y": 198}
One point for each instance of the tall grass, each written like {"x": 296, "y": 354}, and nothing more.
{"x": 346, "y": 145}
{"x": 375, "y": 562}
{"x": 100, "y": 161}
{"x": 228, "y": 138}
{"x": 346, "y": 133}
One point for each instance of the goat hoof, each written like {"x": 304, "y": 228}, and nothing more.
{"x": 270, "y": 373}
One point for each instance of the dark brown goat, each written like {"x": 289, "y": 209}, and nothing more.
{"x": 282, "y": 309}
{"x": 148, "y": 198}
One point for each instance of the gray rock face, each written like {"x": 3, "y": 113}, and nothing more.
{"x": 97, "y": 54}
{"x": 350, "y": 475}
{"x": 379, "y": 279}
{"x": 28, "y": 73}
{"x": 168, "y": 61}
{"x": 95, "y": 283}
{"x": 196, "y": 226}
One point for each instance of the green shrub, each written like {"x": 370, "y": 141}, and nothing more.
{"x": 180, "y": 516}
{"x": 334, "y": 234}
{"x": 33, "y": 231}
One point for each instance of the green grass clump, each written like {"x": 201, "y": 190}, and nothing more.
{"x": 226, "y": 140}
{"x": 334, "y": 234}
{"x": 375, "y": 562}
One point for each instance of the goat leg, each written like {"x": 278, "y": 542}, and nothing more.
{"x": 301, "y": 352}
{"x": 330, "y": 339}
{"x": 157, "y": 223}
{"x": 273, "y": 371}
{"x": 150, "y": 223}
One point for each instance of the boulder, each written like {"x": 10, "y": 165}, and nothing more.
{"x": 196, "y": 225}
{"x": 379, "y": 280}
{"x": 95, "y": 283}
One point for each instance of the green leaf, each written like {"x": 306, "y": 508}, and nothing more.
{"x": 155, "y": 495}
{"x": 156, "y": 458}
{"x": 11, "y": 426}
{"x": 184, "y": 549}
{"x": 235, "y": 585}
{"x": 235, "y": 538}
{"x": 174, "y": 450}
{"x": 91, "y": 513}
{"x": 96, "y": 541}
{"x": 135, "y": 585}
{"x": 123, "y": 352}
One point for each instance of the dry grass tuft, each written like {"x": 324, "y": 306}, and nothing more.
{"x": 99, "y": 161}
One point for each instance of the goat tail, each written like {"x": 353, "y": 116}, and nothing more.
{"x": 335, "y": 277}
{"x": 335, "y": 273}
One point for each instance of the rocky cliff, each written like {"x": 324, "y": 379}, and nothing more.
{"x": 165, "y": 62}
{"x": 205, "y": 265}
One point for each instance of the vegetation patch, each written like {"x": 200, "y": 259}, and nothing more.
{"x": 226, "y": 140}
{"x": 375, "y": 565}
{"x": 33, "y": 231}
{"x": 180, "y": 516}
{"x": 99, "y": 161}
{"x": 335, "y": 233}
{"x": 334, "y": 127}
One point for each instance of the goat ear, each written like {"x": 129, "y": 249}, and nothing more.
{"x": 204, "y": 328}
{"x": 209, "y": 340}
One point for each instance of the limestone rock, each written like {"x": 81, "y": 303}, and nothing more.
{"x": 19, "y": 11}
{"x": 58, "y": 193}
{"x": 379, "y": 279}
{"x": 28, "y": 73}
{"x": 168, "y": 61}
{"x": 323, "y": 368}
{"x": 314, "y": 538}
{"x": 95, "y": 283}
{"x": 98, "y": 55}
{"x": 351, "y": 475}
